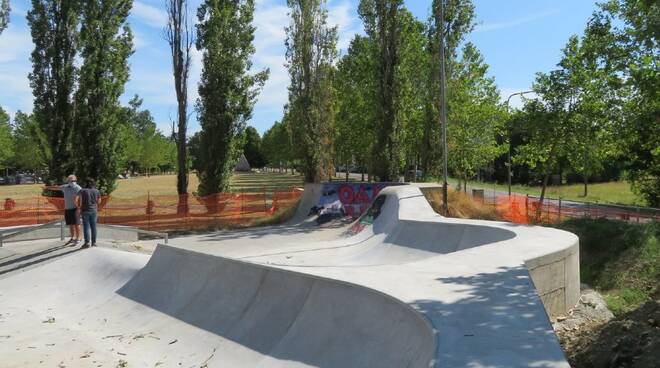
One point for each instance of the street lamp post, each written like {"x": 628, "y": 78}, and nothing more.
{"x": 508, "y": 163}
{"x": 443, "y": 107}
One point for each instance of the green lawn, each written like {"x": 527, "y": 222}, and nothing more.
{"x": 613, "y": 192}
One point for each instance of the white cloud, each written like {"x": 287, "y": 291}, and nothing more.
{"x": 15, "y": 44}
{"x": 515, "y": 22}
{"x": 270, "y": 19}
{"x": 343, "y": 14}
{"x": 149, "y": 14}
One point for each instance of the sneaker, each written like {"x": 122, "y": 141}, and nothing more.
{"x": 72, "y": 240}
{"x": 93, "y": 244}
{"x": 85, "y": 246}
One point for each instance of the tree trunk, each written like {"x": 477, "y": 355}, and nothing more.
{"x": 540, "y": 205}
{"x": 586, "y": 181}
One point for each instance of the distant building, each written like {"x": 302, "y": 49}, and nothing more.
{"x": 242, "y": 165}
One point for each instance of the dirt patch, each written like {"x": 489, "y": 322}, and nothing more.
{"x": 592, "y": 338}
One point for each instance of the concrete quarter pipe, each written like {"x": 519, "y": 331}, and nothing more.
{"x": 411, "y": 289}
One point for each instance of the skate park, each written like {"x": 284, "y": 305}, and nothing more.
{"x": 400, "y": 287}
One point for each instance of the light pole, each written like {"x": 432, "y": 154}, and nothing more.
{"x": 443, "y": 106}
{"x": 508, "y": 160}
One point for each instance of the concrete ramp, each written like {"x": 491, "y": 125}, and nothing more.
{"x": 279, "y": 317}
{"x": 406, "y": 229}
{"x": 188, "y": 309}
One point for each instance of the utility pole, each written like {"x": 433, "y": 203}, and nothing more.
{"x": 508, "y": 159}
{"x": 443, "y": 105}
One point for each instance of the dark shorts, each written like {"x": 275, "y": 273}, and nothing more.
{"x": 71, "y": 218}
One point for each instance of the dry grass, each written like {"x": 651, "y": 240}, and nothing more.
{"x": 616, "y": 192}
{"x": 160, "y": 185}
{"x": 460, "y": 205}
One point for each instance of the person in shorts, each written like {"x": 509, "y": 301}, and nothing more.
{"x": 89, "y": 199}
{"x": 71, "y": 215}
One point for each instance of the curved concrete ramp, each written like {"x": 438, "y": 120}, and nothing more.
{"x": 282, "y": 318}
{"x": 407, "y": 229}
{"x": 188, "y": 309}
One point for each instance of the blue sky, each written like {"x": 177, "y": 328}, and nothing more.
{"x": 517, "y": 37}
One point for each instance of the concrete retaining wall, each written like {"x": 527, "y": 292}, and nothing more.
{"x": 114, "y": 232}
{"x": 556, "y": 277}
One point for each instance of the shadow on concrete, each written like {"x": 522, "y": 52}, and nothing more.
{"x": 36, "y": 258}
{"x": 278, "y": 230}
{"x": 281, "y": 314}
{"x": 498, "y": 322}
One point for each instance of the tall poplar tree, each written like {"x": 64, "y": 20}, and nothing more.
{"x": 382, "y": 25}
{"x": 227, "y": 91}
{"x": 106, "y": 44}
{"x": 458, "y": 23}
{"x": 311, "y": 52}
{"x": 54, "y": 29}
{"x": 179, "y": 36}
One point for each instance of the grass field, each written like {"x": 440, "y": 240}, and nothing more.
{"x": 613, "y": 192}
{"x": 166, "y": 185}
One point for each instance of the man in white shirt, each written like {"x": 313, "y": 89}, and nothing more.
{"x": 71, "y": 215}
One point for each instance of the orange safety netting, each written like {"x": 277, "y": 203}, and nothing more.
{"x": 163, "y": 212}
{"x": 523, "y": 209}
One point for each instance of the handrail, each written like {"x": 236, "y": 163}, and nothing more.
{"x": 25, "y": 230}
{"x": 28, "y": 229}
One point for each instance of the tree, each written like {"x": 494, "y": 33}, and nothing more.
{"x": 227, "y": 91}
{"x": 382, "y": 25}
{"x": 54, "y": 29}
{"x": 5, "y": 9}
{"x": 106, "y": 44}
{"x": 310, "y": 52}
{"x": 179, "y": 36}
{"x": 6, "y": 141}
{"x": 409, "y": 79}
{"x": 458, "y": 22}
{"x": 27, "y": 155}
{"x": 596, "y": 108}
{"x": 252, "y": 147}
{"x": 476, "y": 117}
{"x": 629, "y": 31}
{"x": 547, "y": 123}
{"x": 355, "y": 119}
{"x": 276, "y": 146}
{"x": 145, "y": 147}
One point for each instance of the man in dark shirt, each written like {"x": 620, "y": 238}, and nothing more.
{"x": 89, "y": 198}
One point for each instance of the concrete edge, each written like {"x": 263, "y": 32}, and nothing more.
{"x": 420, "y": 316}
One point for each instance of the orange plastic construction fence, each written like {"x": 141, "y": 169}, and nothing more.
{"x": 163, "y": 212}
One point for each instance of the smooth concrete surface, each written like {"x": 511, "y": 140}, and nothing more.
{"x": 412, "y": 290}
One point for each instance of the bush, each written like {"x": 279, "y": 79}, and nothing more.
{"x": 619, "y": 259}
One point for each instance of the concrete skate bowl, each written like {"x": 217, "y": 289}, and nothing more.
{"x": 404, "y": 228}
{"x": 281, "y": 318}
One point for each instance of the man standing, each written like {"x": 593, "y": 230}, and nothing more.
{"x": 89, "y": 200}
{"x": 71, "y": 217}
